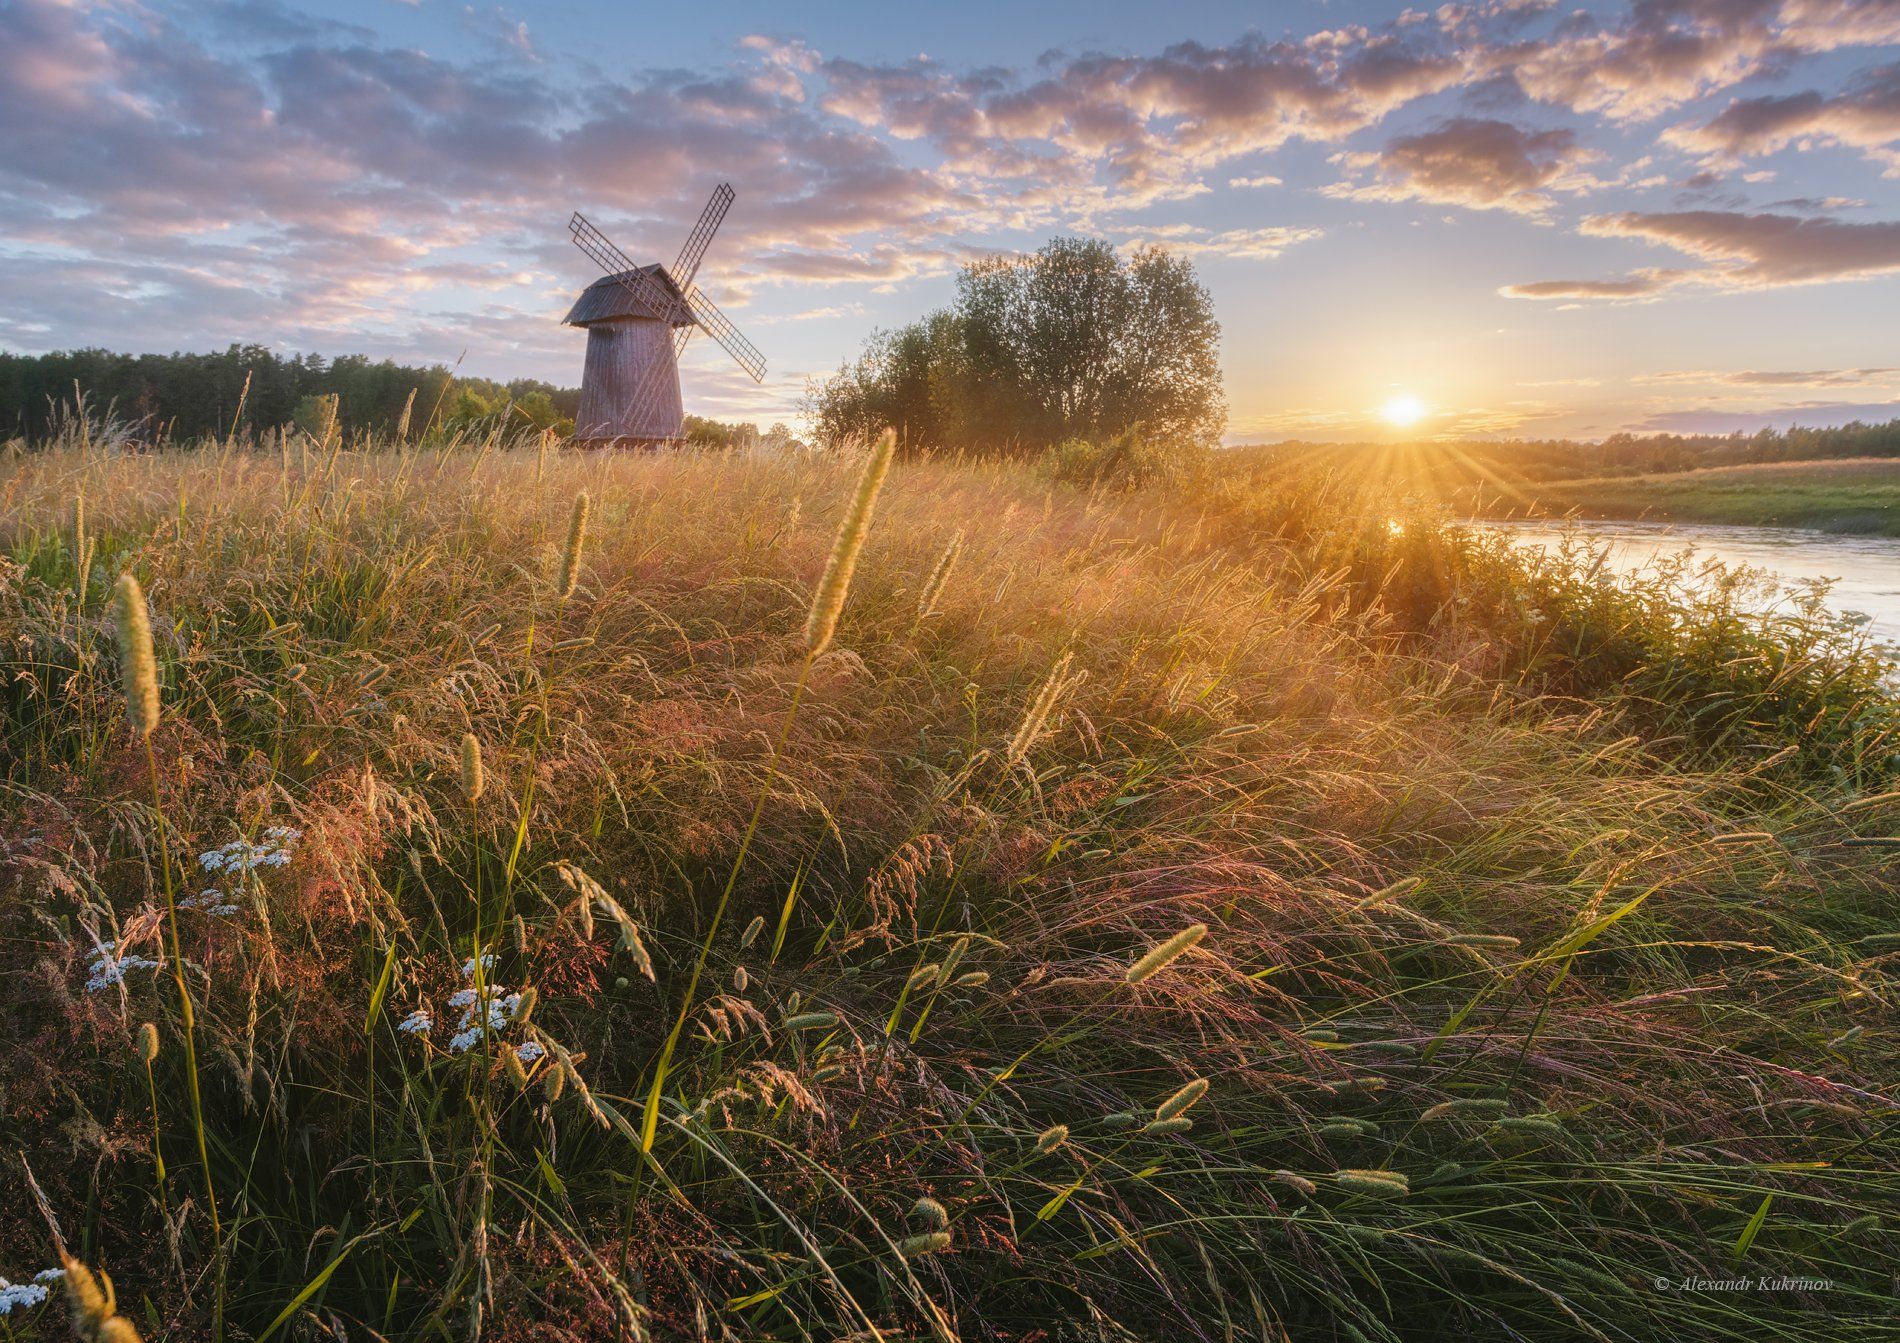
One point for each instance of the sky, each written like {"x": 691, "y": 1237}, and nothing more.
{"x": 1502, "y": 219}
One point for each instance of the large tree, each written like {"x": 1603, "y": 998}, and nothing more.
{"x": 1076, "y": 341}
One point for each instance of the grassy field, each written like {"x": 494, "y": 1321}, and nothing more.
{"x": 1222, "y": 910}
{"x": 1859, "y": 495}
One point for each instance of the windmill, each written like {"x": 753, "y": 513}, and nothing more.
{"x": 638, "y": 320}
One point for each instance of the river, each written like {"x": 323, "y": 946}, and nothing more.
{"x": 1865, "y": 569}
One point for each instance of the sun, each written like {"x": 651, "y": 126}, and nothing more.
{"x": 1403, "y": 411}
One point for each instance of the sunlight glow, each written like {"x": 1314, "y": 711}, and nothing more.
{"x": 1403, "y": 411}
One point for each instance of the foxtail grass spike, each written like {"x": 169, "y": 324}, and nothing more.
{"x": 1166, "y": 954}
{"x": 95, "y": 1309}
{"x": 138, "y": 668}
{"x": 402, "y": 421}
{"x": 472, "y": 780}
{"x": 931, "y": 1242}
{"x": 939, "y": 577}
{"x": 148, "y": 1043}
{"x": 1183, "y": 1100}
{"x": 827, "y": 602}
{"x": 576, "y": 539}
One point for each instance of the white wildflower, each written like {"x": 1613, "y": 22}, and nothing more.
{"x": 530, "y": 1051}
{"x": 418, "y": 1022}
{"x": 468, "y": 966}
{"x": 23, "y": 1295}
{"x": 109, "y": 967}
{"x": 273, "y": 849}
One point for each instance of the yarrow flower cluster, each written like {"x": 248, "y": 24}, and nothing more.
{"x": 107, "y": 966}
{"x": 502, "y": 1006}
{"x": 26, "y": 1295}
{"x": 211, "y": 900}
{"x": 272, "y": 849}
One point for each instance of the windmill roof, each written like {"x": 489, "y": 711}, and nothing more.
{"x": 608, "y": 298}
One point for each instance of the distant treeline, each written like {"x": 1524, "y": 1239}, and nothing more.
{"x": 189, "y": 396}
{"x": 1631, "y": 454}
{"x": 1635, "y": 454}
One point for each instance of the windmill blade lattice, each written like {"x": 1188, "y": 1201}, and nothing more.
{"x": 622, "y": 267}
{"x": 720, "y": 328}
{"x": 686, "y": 265}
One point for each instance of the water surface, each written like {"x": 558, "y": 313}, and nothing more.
{"x": 1865, "y": 570}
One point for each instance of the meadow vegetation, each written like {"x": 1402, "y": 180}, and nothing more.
{"x": 537, "y": 894}
{"x": 1858, "y": 495}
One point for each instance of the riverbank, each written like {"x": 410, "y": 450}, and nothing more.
{"x": 1242, "y": 906}
{"x": 1855, "y": 496}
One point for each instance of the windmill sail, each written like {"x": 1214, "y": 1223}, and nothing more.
{"x": 719, "y": 326}
{"x": 686, "y": 265}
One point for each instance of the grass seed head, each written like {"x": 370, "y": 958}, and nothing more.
{"x": 931, "y": 1242}
{"x": 827, "y": 601}
{"x": 811, "y": 1021}
{"x": 1181, "y": 1101}
{"x": 1051, "y": 1138}
{"x": 1166, "y": 953}
{"x": 94, "y": 1306}
{"x": 1374, "y": 1183}
{"x": 939, "y": 577}
{"x": 1294, "y": 1182}
{"x": 138, "y": 667}
{"x": 472, "y": 780}
{"x": 576, "y": 540}
{"x": 923, "y": 977}
{"x": 148, "y": 1043}
{"x": 931, "y": 1213}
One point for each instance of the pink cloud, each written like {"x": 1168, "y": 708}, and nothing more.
{"x": 1478, "y": 163}
{"x": 1743, "y": 251}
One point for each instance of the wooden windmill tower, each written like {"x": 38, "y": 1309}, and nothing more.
{"x": 638, "y": 320}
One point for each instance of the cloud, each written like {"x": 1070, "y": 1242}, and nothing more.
{"x": 1664, "y": 53}
{"x": 1812, "y": 415}
{"x": 1149, "y": 123}
{"x": 1640, "y": 285}
{"x": 1743, "y": 251}
{"x": 318, "y": 187}
{"x": 1757, "y": 250}
{"x": 1828, "y": 377}
{"x": 1477, "y": 163}
{"x": 1255, "y": 244}
{"x": 1865, "y": 115}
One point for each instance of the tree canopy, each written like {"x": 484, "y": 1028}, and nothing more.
{"x": 1074, "y": 341}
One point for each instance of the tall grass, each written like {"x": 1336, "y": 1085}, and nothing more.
{"x": 1323, "y": 924}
